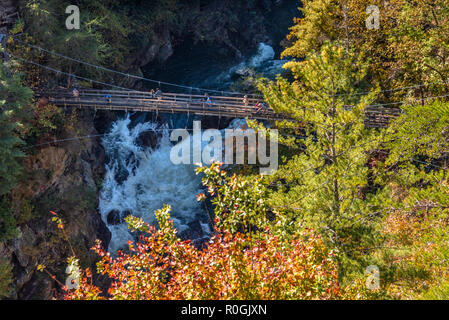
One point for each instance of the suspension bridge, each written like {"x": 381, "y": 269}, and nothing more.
{"x": 190, "y": 104}
{"x": 119, "y": 100}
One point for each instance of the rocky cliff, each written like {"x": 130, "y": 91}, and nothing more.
{"x": 63, "y": 177}
{"x": 8, "y": 14}
{"x": 234, "y": 25}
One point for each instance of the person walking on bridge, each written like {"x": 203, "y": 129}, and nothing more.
{"x": 245, "y": 100}
{"x": 108, "y": 98}
{"x": 76, "y": 94}
{"x": 208, "y": 100}
{"x": 158, "y": 94}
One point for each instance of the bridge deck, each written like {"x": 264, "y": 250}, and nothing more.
{"x": 222, "y": 106}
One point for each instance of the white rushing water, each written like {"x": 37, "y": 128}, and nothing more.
{"x": 141, "y": 180}
{"x": 262, "y": 61}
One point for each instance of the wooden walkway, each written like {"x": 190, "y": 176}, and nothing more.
{"x": 232, "y": 107}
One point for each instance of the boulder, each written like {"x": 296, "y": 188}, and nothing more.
{"x": 116, "y": 217}
{"x": 113, "y": 218}
{"x": 147, "y": 139}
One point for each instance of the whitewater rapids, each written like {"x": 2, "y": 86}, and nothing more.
{"x": 141, "y": 180}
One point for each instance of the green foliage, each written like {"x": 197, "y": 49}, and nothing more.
{"x": 407, "y": 167}
{"x": 323, "y": 186}
{"x": 6, "y": 278}
{"x": 421, "y": 130}
{"x": 410, "y": 46}
{"x": 48, "y": 121}
{"x": 8, "y": 228}
{"x": 14, "y": 100}
{"x": 240, "y": 203}
{"x": 418, "y": 149}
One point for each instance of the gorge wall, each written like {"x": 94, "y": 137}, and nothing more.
{"x": 64, "y": 177}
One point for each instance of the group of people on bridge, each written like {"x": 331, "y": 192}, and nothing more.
{"x": 258, "y": 106}
{"x": 207, "y": 99}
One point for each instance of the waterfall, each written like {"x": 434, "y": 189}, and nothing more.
{"x": 140, "y": 180}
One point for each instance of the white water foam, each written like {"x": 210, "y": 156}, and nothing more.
{"x": 263, "y": 61}
{"x": 141, "y": 180}
{"x": 264, "y": 53}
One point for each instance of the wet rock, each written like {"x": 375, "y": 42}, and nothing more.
{"x": 147, "y": 139}
{"x": 159, "y": 48}
{"x": 126, "y": 213}
{"x": 166, "y": 49}
{"x": 113, "y": 218}
{"x": 212, "y": 122}
{"x": 116, "y": 217}
{"x": 194, "y": 232}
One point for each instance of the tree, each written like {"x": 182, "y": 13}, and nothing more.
{"x": 416, "y": 162}
{"x": 8, "y": 228}
{"x": 409, "y": 48}
{"x": 101, "y": 40}
{"x": 324, "y": 186}
{"x": 14, "y": 111}
{"x": 240, "y": 202}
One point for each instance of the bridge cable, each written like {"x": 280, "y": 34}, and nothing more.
{"x": 129, "y": 75}
{"x": 203, "y": 89}
{"x": 69, "y": 74}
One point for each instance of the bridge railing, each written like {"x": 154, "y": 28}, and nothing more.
{"x": 176, "y": 97}
{"x": 168, "y": 107}
{"x": 375, "y": 116}
{"x": 144, "y": 101}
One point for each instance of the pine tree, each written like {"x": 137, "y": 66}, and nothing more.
{"x": 14, "y": 111}
{"x": 323, "y": 186}
{"x": 416, "y": 145}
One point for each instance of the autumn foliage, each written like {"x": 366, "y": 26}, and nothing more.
{"x": 230, "y": 266}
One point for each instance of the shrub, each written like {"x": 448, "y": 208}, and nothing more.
{"x": 231, "y": 266}
{"x": 5, "y": 278}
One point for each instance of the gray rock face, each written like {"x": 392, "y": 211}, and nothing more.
{"x": 116, "y": 217}
{"x": 113, "y": 218}
{"x": 160, "y": 48}
{"x": 63, "y": 178}
{"x": 147, "y": 139}
{"x": 210, "y": 22}
{"x": 8, "y": 14}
